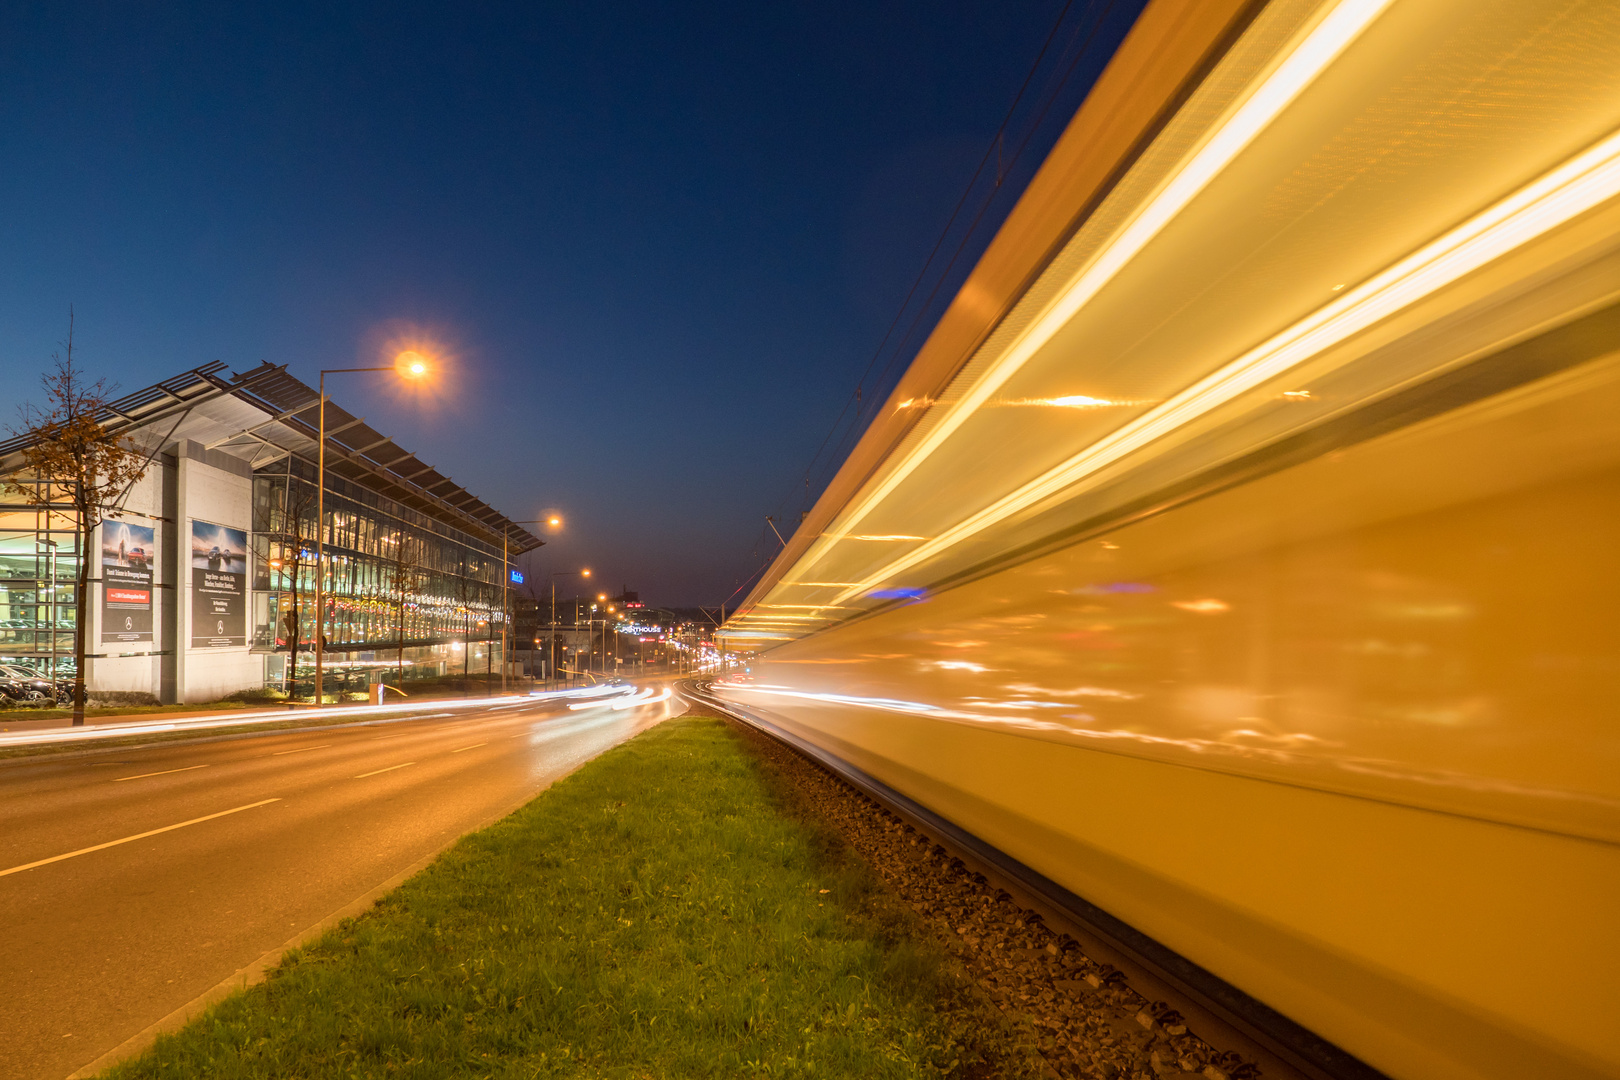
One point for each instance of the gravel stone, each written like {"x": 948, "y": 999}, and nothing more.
{"x": 1087, "y": 1019}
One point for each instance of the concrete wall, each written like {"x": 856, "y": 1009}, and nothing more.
{"x": 190, "y": 483}
{"x": 132, "y": 667}
{"x": 215, "y": 487}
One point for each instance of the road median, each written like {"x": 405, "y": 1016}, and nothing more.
{"x": 668, "y": 910}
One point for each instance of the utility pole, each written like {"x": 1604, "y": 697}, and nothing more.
{"x": 506, "y": 607}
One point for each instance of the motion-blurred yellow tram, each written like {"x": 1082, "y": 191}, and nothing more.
{"x": 1242, "y": 550}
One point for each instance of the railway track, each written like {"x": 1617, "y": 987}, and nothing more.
{"x": 1267, "y": 1042}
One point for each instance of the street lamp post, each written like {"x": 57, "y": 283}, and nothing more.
{"x": 554, "y": 521}
{"x": 551, "y": 663}
{"x": 412, "y": 366}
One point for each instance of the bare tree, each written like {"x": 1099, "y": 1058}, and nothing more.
{"x": 76, "y": 459}
{"x": 404, "y": 582}
{"x": 464, "y": 601}
{"x": 298, "y": 513}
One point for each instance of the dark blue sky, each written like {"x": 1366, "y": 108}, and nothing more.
{"x": 662, "y": 242}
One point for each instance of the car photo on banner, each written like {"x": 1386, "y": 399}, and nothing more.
{"x": 218, "y": 586}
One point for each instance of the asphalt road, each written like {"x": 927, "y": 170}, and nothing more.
{"x": 275, "y": 833}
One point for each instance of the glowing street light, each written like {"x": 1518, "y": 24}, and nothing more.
{"x": 409, "y": 364}
{"x": 554, "y": 575}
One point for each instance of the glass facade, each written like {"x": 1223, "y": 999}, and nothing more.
{"x": 401, "y": 586}
{"x": 403, "y": 589}
{"x": 208, "y": 590}
{"x": 39, "y": 560}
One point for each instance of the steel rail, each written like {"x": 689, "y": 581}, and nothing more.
{"x": 1220, "y": 1012}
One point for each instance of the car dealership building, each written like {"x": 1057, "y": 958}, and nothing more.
{"x": 204, "y": 583}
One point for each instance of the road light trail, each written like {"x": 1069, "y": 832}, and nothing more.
{"x": 187, "y": 909}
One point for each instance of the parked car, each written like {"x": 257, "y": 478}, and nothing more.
{"x": 24, "y": 684}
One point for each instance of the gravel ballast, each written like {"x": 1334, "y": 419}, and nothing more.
{"x": 1088, "y": 1020}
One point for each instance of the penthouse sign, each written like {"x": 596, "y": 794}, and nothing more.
{"x": 218, "y": 586}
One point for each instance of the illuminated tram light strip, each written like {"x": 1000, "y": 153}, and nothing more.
{"x": 1321, "y": 47}
{"x": 1557, "y": 197}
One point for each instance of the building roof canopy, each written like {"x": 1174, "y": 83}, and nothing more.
{"x": 265, "y": 414}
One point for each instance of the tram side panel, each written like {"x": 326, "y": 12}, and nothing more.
{"x": 1343, "y": 735}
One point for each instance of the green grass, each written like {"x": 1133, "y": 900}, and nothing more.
{"x": 667, "y": 911}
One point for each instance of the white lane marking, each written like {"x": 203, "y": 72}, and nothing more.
{"x": 397, "y": 734}
{"x": 165, "y": 772}
{"x": 474, "y": 746}
{"x": 301, "y": 749}
{"x": 137, "y": 836}
{"x": 390, "y": 768}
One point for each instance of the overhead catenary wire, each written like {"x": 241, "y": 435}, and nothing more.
{"x": 846, "y": 428}
{"x": 845, "y": 442}
{"x": 922, "y": 274}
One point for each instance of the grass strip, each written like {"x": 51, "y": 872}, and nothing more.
{"x": 666, "y": 911}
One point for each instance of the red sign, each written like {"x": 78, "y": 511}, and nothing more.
{"x": 128, "y": 596}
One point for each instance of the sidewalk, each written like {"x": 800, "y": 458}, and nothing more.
{"x": 22, "y": 723}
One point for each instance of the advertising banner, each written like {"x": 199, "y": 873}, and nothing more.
{"x": 218, "y": 586}
{"x": 127, "y": 553}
